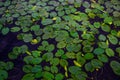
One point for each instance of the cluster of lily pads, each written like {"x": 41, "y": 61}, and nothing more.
{"x": 73, "y": 37}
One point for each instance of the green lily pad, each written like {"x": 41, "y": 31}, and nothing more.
{"x": 98, "y": 51}
{"x": 89, "y": 56}
{"x": 109, "y": 52}
{"x": 48, "y": 75}
{"x": 15, "y": 29}
{"x": 96, "y": 63}
{"x": 115, "y": 67}
{"x": 112, "y": 39}
{"x": 3, "y": 74}
{"x": 70, "y": 55}
{"x": 103, "y": 58}
{"x": 5, "y": 31}
{"x": 47, "y": 21}
{"x": 28, "y": 76}
{"x": 59, "y": 76}
{"x": 108, "y": 20}
{"x": 61, "y": 44}
{"x": 89, "y": 67}
{"x": 27, "y": 37}
{"x": 102, "y": 37}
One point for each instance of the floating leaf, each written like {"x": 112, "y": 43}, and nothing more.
{"x": 97, "y": 24}
{"x": 47, "y": 21}
{"x": 98, "y": 51}
{"x": 27, "y": 68}
{"x": 106, "y": 28}
{"x": 54, "y": 69}
{"x": 61, "y": 44}
{"x": 108, "y": 20}
{"x": 96, "y": 63}
{"x": 109, "y": 52}
{"x": 74, "y": 69}
{"x": 59, "y": 53}
{"x": 102, "y": 37}
{"x": 89, "y": 56}
{"x": 115, "y": 67}
{"x": 89, "y": 67}
{"x": 48, "y": 75}
{"x": 55, "y": 61}
{"x": 15, "y": 29}
{"x": 112, "y": 39}
{"x": 103, "y": 58}
{"x": 3, "y": 74}
{"x": 63, "y": 63}
{"x": 5, "y": 31}
{"x": 27, "y": 37}
{"x": 28, "y": 76}
{"x": 70, "y": 55}
{"x": 59, "y": 76}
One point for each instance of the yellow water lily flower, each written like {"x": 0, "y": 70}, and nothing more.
{"x": 77, "y": 64}
{"x": 34, "y": 41}
{"x": 54, "y": 18}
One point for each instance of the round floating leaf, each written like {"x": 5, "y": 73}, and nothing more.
{"x": 86, "y": 4}
{"x": 36, "y": 68}
{"x": 47, "y": 56}
{"x": 55, "y": 61}
{"x": 5, "y": 31}
{"x": 103, "y": 45}
{"x": 59, "y": 76}
{"x": 108, "y": 20}
{"x": 117, "y": 50}
{"x": 3, "y": 75}
{"x": 27, "y": 68}
{"x": 106, "y": 28}
{"x": 2, "y": 65}
{"x": 98, "y": 51}
{"x": 47, "y": 21}
{"x": 109, "y": 52}
{"x": 63, "y": 63}
{"x": 36, "y": 61}
{"x": 70, "y": 1}
{"x": 35, "y": 28}
{"x": 87, "y": 48}
{"x": 9, "y": 65}
{"x": 70, "y": 55}
{"x": 102, "y": 37}
{"x": 28, "y": 76}
{"x": 103, "y": 58}
{"x": 89, "y": 56}
{"x": 27, "y": 37}
{"x": 115, "y": 67}
{"x": 54, "y": 69}
{"x": 96, "y": 63}
{"x": 36, "y": 53}
{"x": 15, "y": 29}
{"x": 48, "y": 75}
{"x": 89, "y": 67}
{"x": 112, "y": 39}
{"x": 97, "y": 24}
{"x": 28, "y": 59}
{"x": 74, "y": 69}
{"x": 59, "y": 53}
{"x": 61, "y": 44}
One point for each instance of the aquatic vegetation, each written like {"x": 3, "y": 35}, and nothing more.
{"x": 70, "y": 37}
